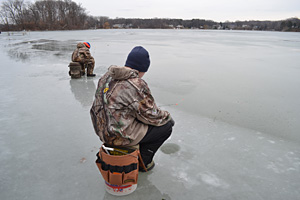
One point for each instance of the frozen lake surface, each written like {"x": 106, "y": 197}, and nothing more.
{"x": 235, "y": 97}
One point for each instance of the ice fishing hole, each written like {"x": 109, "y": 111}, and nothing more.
{"x": 170, "y": 148}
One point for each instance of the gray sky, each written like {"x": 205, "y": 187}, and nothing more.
{"x": 216, "y": 10}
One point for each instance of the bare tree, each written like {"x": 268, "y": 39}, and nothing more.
{"x": 13, "y": 12}
{"x": 4, "y": 16}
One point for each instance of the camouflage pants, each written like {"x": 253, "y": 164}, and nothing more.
{"x": 89, "y": 65}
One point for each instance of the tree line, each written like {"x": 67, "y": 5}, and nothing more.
{"x": 292, "y": 24}
{"x": 16, "y": 15}
{"x": 42, "y": 15}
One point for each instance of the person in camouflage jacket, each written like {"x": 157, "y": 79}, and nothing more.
{"x": 124, "y": 112}
{"x": 82, "y": 55}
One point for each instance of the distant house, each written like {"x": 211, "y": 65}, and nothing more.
{"x": 231, "y": 26}
{"x": 118, "y": 26}
{"x": 128, "y": 26}
{"x": 215, "y": 26}
{"x": 179, "y": 27}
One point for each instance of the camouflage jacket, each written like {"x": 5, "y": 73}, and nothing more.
{"x": 124, "y": 107}
{"x": 81, "y": 54}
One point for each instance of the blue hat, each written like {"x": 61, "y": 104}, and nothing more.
{"x": 138, "y": 59}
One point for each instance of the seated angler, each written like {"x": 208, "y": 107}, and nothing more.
{"x": 124, "y": 112}
{"x": 83, "y": 56}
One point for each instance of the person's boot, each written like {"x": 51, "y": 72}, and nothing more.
{"x": 90, "y": 69}
{"x": 148, "y": 167}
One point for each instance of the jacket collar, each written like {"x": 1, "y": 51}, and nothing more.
{"x": 122, "y": 73}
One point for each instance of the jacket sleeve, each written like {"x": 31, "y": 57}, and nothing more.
{"x": 148, "y": 112}
{"x": 75, "y": 57}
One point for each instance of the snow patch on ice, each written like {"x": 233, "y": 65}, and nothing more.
{"x": 280, "y": 166}
{"x": 183, "y": 176}
{"x": 273, "y": 167}
{"x": 212, "y": 180}
{"x": 231, "y": 139}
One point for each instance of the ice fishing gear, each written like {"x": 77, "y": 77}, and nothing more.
{"x": 171, "y": 104}
{"x": 119, "y": 165}
{"x": 116, "y": 151}
{"x": 75, "y": 70}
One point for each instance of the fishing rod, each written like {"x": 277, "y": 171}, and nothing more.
{"x": 171, "y": 104}
{"x": 107, "y": 149}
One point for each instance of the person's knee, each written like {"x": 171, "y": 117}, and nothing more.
{"x": 170, "y": 124}
{"x": 169, "y": 129}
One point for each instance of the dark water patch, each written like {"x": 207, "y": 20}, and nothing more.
{"x": 18, "y": 56}
{"x": 55, "y": 45}
{"x": 24, "y": 51}
{"x": 47, "y": 45}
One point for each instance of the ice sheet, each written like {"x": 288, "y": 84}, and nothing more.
{"x": 234, "y": 97}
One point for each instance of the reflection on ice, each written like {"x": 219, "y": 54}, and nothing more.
{"x": 83, "y": 90}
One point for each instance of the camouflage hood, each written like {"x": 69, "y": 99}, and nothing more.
{"x": 122, "y": 73}
{"x": 81, "y": 54}
{"x": 80, "y": 45}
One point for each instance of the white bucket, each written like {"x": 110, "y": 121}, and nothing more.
{"x": 120, "y": 190}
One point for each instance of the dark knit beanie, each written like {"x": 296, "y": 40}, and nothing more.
{"x": 138, "y": 59}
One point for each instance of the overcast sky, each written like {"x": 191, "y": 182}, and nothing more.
{"x": 217, "y": 10}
